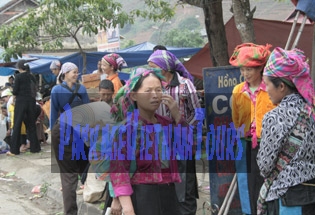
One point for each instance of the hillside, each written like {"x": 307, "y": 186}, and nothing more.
{"x": 144, "y": 30}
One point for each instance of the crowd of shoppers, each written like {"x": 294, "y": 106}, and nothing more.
{"x": 275, "y": 104}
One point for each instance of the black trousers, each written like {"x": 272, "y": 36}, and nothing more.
{"x": 254, "y": 179}
{"x": 155, "y": 199}
{"x": 24, "y": 111}
{"x": 187, "y": 190}
{"x": 70, "y": 169}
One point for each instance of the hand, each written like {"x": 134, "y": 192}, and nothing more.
{"x": 8, "y": 132}
{"x": 172, "y": 106}
{"x": 126, "y": 203}
{"x": 116, "y": 208}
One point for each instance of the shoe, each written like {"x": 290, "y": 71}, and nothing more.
{"x": 10, "y": 154}
{"x": 79, "y": 192}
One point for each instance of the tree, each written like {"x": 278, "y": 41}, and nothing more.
{"x": 182, "y": 38}
{"x": 54, "y": 20}
{"x": 215, "y": 29}
{"x": 243, "y": 17}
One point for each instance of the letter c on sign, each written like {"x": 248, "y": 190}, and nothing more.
{"x": 215, "y": 104}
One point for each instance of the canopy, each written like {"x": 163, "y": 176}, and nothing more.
{"x": 134, "y": 56}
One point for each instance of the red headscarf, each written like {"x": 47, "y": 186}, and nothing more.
{"x": 115, "y": 60}
{"x": 250, "y": 55}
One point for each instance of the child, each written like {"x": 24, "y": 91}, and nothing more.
{"x": 106, "y": 90}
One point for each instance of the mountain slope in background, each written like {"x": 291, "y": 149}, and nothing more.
{"x": 145, "y": 30}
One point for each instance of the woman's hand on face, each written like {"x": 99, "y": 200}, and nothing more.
{"x": 172, "y": 106}
{"x": 115, "y": 207}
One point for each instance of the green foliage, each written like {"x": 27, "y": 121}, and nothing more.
{"x": 126, "y": 44}
{"x": 190, "y": 23}
{"x": 54, "y": 20}
{"x": 183, "y": 38}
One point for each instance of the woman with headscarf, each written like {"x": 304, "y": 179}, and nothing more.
{"x": 72, "y": 93}
{"x": 111, "y": 64}
{"x": 150, "y": 189}
{"x": 250, "y": 102}
{"x": 179, "y": 85}
{"x": 24, "y": 90}
{"x": 286, "y": 158}
{"x": 55, "y": 68}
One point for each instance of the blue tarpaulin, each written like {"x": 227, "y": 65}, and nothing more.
{"x": 134, "y": 56}
{"x": 307, "y": 7}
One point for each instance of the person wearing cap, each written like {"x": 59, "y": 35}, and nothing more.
{"x": 111, "y": 64}
{"x": 24, "y": 89}
{"x": 73, "y": 94}
{"x": 55, "y": 68}
{"x": 179, "y": 84}
{"x": 250, "y": 102}
{"x": 286, "y": 156}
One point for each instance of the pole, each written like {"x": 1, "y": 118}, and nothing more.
{"x": 292, "y": 30}
{"x": 226, "y": 203}
{"x": 299, "y": 33}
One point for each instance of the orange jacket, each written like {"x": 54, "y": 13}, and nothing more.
{"x": 243, "y": 110}
{"x": 116, "y": 82}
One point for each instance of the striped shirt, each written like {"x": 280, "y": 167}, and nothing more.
{"x": 184, "y": 92}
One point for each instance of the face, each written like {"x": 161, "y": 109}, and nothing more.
{"x": 55, "y": 71}
{"x": 5, "y": 99}
{"x": 148, "y": 96}
{"x": 106, "y": 95}
{"x": 72, "y": 76}
{"x": 252, "y": 75}
{"x": 106, "y": 67}
{"x": 276, "y": 94}
{"x": 4, "y": 112}
{"x": 153, "y": 65}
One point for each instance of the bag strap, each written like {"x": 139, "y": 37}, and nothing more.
{"x": 74, "y": 93}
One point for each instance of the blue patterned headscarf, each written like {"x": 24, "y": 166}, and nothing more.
{"x": 169, "y": 62}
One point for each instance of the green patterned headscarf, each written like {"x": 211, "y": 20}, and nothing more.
{"x": 122, "y": 101}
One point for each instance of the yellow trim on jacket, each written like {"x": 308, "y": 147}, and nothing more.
{"x": 243, "y": 110}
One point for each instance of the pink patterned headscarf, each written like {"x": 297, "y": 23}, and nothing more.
{"x": 291, "y": 65}
{"x": 67, "y": 67}
{"x": 115, "y": 60}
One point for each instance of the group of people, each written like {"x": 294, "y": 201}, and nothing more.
{"x": 23, "y": 112}
{"x": 275, "y": 104}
